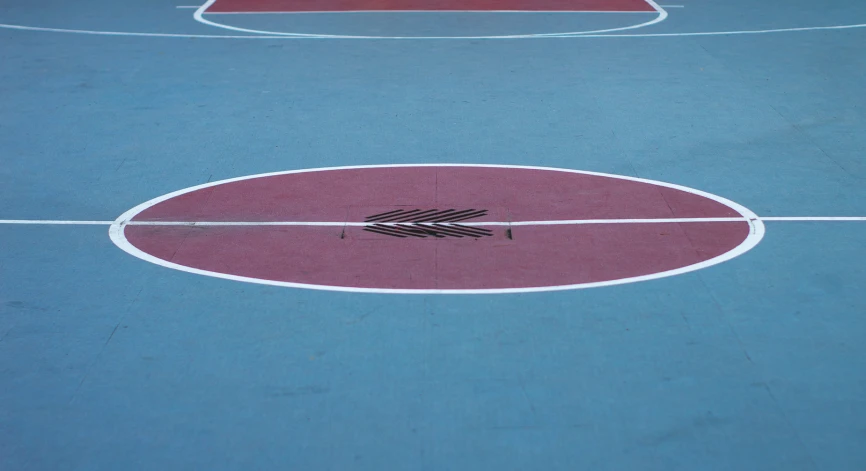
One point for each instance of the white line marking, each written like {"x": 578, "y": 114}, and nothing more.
{"x": 53, "y": 222}
{"x": 566, "y": 222}
{"x": 117, "y": 234}
{"x": 731, "y": 33}
{"x": 326, "y": 12}
{"x": 611, "y": 221}
{"x": 134, "y": 34}
{"x": 813, "y": 218}
{"x": 198, "y": 16}
{"x": 411, "y": 38}
{"x": 477, "y": 223}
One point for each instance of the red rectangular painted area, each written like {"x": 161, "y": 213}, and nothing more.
{"x": 299, "y": 6}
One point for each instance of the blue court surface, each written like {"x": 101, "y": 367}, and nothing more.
{"x": 685, "y": 182}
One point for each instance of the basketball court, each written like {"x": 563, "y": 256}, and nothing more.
{"x": 430, "y": 234}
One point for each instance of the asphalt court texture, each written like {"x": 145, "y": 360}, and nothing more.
{"x": 392, "y": 235}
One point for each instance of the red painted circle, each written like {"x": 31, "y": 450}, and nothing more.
{"x": 534, "y": 256}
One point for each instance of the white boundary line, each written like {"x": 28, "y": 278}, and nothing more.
{"x": 117, "y": 235}
{"x": 48, "y": 222}
{"x": 814, "y": 218}
{"x": 134, "y": 34}
{"x": 565, "y": 222}
{"x": 340, "y": 12}
{"x": 554, "y": 36}
{"x": 198, "y": 16}
{"x": 53, "y": 222}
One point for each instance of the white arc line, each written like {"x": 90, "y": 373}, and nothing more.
{"x": 199, "y": 16}
{"x": 408, "y": 38}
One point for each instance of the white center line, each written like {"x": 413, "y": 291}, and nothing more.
{"x": 474, "y": 223}
{"x": 561, "y": 222}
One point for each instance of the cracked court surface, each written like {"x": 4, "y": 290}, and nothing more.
{"x": 755, "y": 362}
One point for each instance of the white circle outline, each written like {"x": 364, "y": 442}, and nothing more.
{"x": 117, "y": 235}
{"x": 198, "y": 16}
